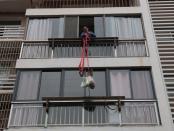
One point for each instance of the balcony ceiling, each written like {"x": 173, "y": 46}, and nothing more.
{"x": 14, "y": 6}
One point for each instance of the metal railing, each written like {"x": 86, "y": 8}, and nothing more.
{"x": 5, "y": 104}
{"x": 11, "y": 32}
{"x": 84, "y": 3}
{"x": 80, "y": 113}
{"x": 71, "y": 48}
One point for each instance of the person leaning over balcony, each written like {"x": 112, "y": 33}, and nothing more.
{"x": 86, "y": 31}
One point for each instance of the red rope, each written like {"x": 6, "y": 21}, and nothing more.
{"x": 84, "y": 53}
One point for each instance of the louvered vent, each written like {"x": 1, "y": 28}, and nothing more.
{"x": 162, "y": 12}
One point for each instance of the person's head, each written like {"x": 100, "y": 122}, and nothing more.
{"x": 85, "y": 29}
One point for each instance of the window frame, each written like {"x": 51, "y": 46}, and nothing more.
{"x": 62, "y": 80}
{"x": 88, "y": 15}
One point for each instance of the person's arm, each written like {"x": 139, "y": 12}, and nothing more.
{"x": 92, "y": 34}
{"x": 82, "y": 34}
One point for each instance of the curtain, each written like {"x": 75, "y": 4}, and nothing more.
{"x": 28, "y": 85}
{"x": 110, "y": 27}
{"x": 141, "y": 85}
{"x": 42, "y": 29}
{"x": 120, "y": 83}
{"x": 99, "y": 26}
{"x": 124, "y": 27}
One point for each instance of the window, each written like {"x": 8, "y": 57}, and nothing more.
{"x": 50, "y": 84}
{"x": 120, "y": 83}
{"x": 42, "y": 29}
{"x": 86, "y": 21}
{"x": 72, "y": 26}
{"x": 141, "y": 85}
{"x": 133, "y": 84}
{"x": 28, "y": 85}
{"x": 73, "y": 81}
{"x": 124, "y": 27}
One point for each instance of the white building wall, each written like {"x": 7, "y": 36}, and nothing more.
{"x": 153, "y": 61}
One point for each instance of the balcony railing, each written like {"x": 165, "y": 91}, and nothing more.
{"x": 11, "y": 32}
{"x": 71, "y": 48}
{"x": 84, "y": 3}
{"x": 84, "y": 112}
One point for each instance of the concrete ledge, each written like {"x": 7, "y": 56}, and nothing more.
{"x": 83, "y": 11}
{"x": 74, "y": 62}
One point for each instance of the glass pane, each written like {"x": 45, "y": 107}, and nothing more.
{"x": 42, "y": 29}
{"x": 71, "y": 27}
{"x": 28, "y": 85}
{"x": 120, "y": 83}
{"x": 142, "y": 85}
{"x": 57, "y": 27}
{"x": 50, "y": 84}
{"x": 110, "y": 29}
{"x": 99, "y": 26}
{"x": 100, "y": 84}
{"x": 72, "y": 84}
{"x": 129, "y": 28}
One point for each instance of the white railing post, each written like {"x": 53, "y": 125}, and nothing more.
{"x": 120, "y": 118}
{"x": 10, "y": 116}
{"x": 146, "y": 47}
{"x": 83, "y": 115}
{"x": 20, "y": 56}
{"x": 46, "y": 120}
{"x": 52, "y": 50}
{"x": 156, "y": 113}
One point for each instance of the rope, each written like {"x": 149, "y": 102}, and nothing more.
{"x": 84, "y": 54}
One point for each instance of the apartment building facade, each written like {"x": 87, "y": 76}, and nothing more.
{"x": 130, "y": 92}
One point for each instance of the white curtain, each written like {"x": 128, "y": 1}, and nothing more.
{"x": 28, "y": 85}
{"x": 142, "y": 85}
{"x": 124, "y": 27}
{"x": 120, "y": 83}
{"x": 110, "y": 27}
{"x": 42, "y": 29}
{"x": 99, "y": 26}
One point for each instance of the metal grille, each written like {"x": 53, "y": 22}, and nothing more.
{"x": 84, "y": 114}
{"x": 11, "y": 31}
{"x": 163, "y": 22}
{"x": 9, "y": 53}
{"x": 84, "y": 3}
{"x": 5, "y": 100}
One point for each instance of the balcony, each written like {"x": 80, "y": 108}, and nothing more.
{"x": 84, "y": 111}
{"x": 84, "y": 3}
{"x": 11, "y": 32}
{"x": 71, "y": 48}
